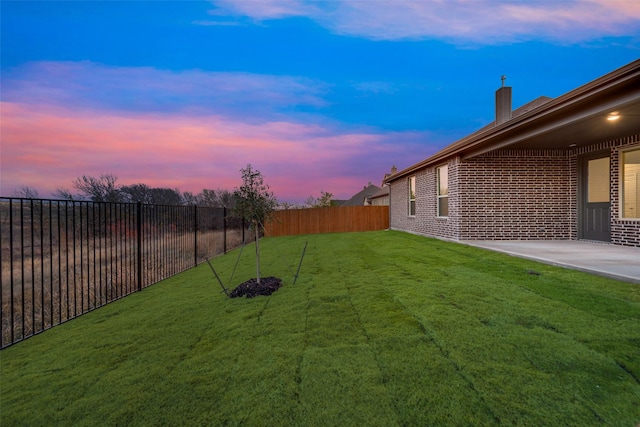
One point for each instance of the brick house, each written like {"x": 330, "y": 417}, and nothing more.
{"x": 379, "y": 198}
{"x": 555, "y": 169}
{"x": 362, "y": 197}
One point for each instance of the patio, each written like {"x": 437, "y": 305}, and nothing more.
{"x": 617, "y": 262}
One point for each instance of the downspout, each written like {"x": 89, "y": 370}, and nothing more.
{"x": 389, "y": 184}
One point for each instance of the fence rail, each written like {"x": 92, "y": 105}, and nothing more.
{"x": 328, "y": 220}
{"x": 61, "y": 259}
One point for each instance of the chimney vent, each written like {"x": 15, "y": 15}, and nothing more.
{"x": 503, "y": 103}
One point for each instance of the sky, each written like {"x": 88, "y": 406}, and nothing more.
{"x": 319, "y": 96}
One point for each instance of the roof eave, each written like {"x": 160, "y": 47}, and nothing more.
{"x": 474, "y": 141}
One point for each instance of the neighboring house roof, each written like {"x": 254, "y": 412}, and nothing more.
{"x": 358, "y": 199}
{"x": 575, "y": 119}
{"x": 384, "y": 191}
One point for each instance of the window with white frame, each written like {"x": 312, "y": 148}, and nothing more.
{"x": 442, "y": 174}
{"x": 412, "y": 195}
{"x": 630, "y": 183}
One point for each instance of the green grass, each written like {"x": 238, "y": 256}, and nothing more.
{"x": 382, "y": 328}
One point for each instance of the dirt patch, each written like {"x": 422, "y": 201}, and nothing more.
{"x": 250, "y": 288}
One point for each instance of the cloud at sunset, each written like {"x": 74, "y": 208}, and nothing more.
{"x": 459, "y": 21}
{"x": 93, "y": 85}
{"x": 185, "y": 152}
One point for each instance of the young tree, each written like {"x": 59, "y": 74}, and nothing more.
{"x": 255, "y": 203}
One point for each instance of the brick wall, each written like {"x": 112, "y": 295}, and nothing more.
{"x": 399, "y": 205}
{"x": 425, "y": 220}
{"x": 511, "y": 194}
{"x": 516, "y": 195}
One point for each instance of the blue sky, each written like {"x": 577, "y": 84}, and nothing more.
{"x": 318, "y": 95}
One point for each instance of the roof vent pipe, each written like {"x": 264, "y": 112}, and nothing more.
{"x": 503, "y": 103}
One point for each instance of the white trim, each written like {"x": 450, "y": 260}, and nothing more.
{"x": 438, "y": 195}
{"x": 621, "y": 168}
{"x": 415, "y": 196}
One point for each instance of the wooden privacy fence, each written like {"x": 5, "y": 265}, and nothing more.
{"x": 328, "y": 220}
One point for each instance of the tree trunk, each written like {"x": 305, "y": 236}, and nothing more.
{"x": 257, "y": 254}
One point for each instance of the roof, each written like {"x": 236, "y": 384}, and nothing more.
{"x": 358, "y": 199}
{"x": 575, "y": 119}
{"x": 384, "y": 191}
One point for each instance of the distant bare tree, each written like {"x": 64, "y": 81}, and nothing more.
{"x": 64, "y": 194}
{"x": 137, "y": 193}
{"x": 287, "y": 205}
{"x": 207, "y": 198}
{"x": 189, "y": 198}
{"x": 321, "y": 202}
{"x": 165, "y": 196}
{"x": 216, "y": 198}
{"x": 30, "y": 193}
{"x": 102, "y": 189}
{"x": 142, "y": 193}
{"x": 227, "y": 199}
{"x": 26, "y": 192}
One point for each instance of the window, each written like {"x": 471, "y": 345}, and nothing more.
{"x": 412, "y": 195}
{"x": 631, "y": 184}
{"x": 598, "y": 180}
{"x": 443, "y": 190}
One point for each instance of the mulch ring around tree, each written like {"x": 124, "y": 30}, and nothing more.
{"x": 250, "y": 288}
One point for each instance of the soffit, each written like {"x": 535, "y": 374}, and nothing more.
{"x": 580, "y": 124}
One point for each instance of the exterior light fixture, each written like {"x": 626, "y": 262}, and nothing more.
{"x": 613, "y": 116}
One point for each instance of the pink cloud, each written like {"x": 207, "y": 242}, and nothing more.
{"x": 461, "y": 21}
{"x": 47, "y": 146}
{"x": 265, "y": 9}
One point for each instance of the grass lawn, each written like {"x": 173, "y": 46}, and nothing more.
{"x": 381, "y": 329}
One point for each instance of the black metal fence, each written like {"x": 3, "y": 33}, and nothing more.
{"x": 61, "y": 259}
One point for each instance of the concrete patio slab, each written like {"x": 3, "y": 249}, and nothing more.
{"x": 617, "y": 262}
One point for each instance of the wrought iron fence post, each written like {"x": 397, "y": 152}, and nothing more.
{"x": 195, "y": 235}
{"x": 11, "y": 266}
{"x": 139, "y": 254}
